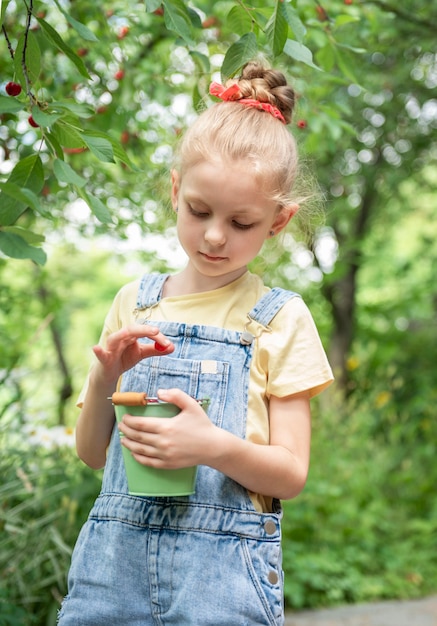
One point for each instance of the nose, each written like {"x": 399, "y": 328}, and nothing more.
{"x": 215, "y": 234}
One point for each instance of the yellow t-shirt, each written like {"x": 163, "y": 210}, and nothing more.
{"x": 287, "y": 359}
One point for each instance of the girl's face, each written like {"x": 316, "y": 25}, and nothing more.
{"x": 223, "y": 219}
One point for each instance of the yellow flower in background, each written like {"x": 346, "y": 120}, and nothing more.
{"x": 382, "y": 398}
{"x": 352, "y": 363}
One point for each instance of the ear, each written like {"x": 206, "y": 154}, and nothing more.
{"x": 175, "y": 184}
{"x": 283, "y": 216}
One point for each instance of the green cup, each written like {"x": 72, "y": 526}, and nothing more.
{"x": 149, "y": 481}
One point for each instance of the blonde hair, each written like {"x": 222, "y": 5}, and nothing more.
{"x": 233, "y": 132}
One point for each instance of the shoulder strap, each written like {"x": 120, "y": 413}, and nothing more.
{"x": 150, "y": 288}
{"x": 269, "y": 304}
{"x": 149, "y": 291}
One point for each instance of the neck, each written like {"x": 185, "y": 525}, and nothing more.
{"x": 189, "y": 282}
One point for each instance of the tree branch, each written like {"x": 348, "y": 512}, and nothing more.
{"x": 404, "y": 15}
{"x": 11, "y": 51}
{"x": 23, "y": 57}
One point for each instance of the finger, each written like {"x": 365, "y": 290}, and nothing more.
{"x": 140, "y": 451}
{"x": 177, "y": 397}
{"x": 131, "y": 334}
{"x": 99, "y": 352}
{"x": 163, "y": 346}
{"x": 141, "y": 428}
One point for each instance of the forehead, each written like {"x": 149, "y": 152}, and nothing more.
{"x": 236, "y": 182}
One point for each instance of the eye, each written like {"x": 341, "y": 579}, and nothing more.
{"x": 242, "y": 226}
{"x": 194, "y": 213}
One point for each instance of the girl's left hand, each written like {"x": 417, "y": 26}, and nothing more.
{"x": 170, "y": 443}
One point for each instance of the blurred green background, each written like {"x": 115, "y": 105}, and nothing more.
{"x": 111, "y": 98}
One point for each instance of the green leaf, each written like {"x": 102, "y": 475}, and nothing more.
{"x": 345, "y": 67}
{"x": 53, "y": 36}
{"x": 100, "y": 147}
{"x": 27, "y": 173}
{"x": 177, "y": 18}
{"x": 194, "y": 18}
{"x": 21, "y": 194}
{"x": 16, "y": 247}
{"x": 66, "y": 174}
{"x": 201, "y": 60}
{"x": 9, "y": 104}
{"x": 326, "y": 57}
{"x": 121, "y": 155}
{"x": 152, "y": 5}
{"x": 196, "y": 97}
{"x": 299, "y": 52}
{"x": 3, "y": 7}
{"x": 350, "y": 48}
{"x": 341, "y": 20}
{"x": 118, "y": 151}
{"x": 277, "y": 30}
{"x": 84, "y": 111}
{"x": 67, "y": 135}
{"x": 238, "y": 20}
{"x": 42, "y": 118}
{"x": 54, "y": 143}
{"x": 33, "y": 58}
{"x": 98, "y": 208}
{"x": 27, "y": 235}
{"x": 80, "y": 28}
{"x": 294, "y": 21}
{"x": 238, "y": 54}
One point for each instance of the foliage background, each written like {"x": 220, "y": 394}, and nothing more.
{"x": 112, "y": 96}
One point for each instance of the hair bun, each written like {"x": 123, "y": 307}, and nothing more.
{"x": 267, "y": 85}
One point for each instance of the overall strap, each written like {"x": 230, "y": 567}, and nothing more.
{"x": 149, "y": 291}
{"x": 268, "y": 306}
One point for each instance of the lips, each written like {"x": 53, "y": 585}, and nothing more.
{"x": 211, "y": 258}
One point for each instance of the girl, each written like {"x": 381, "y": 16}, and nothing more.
{"x": 214, "y": 329}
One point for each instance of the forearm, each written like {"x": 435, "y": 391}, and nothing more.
{"x": 271, "y": 470}
{"x": 122, "y": 351}
{"x": 95, "y": 422}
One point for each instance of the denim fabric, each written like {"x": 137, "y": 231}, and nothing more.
{"x": 206, "y": 559}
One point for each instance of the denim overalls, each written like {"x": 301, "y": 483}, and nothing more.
{"x": 209, "y": 559}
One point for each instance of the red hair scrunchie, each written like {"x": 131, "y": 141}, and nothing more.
{"x": 233, "y": 94}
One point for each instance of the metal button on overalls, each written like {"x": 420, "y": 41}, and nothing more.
{"x": 270, "y": 527}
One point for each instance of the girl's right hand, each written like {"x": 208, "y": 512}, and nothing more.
{"x": 123, "y": 350}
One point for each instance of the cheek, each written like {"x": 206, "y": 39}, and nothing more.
{"x": 187, "y": 231}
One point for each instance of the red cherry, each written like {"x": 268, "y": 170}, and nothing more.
{"x": 159, "y": 11}
{"x": 122, "y": 32}
{"x": 301, "y": 124}
{"x": 159, "y": 347}
{"x": 209, "y": 22}
{"x": 73, "y": 150}
{"x": 32, "y": 122}
{"x": 124, "y": 137}
{"x": 321, "y": 13}
{"x": 13, "y": 89}
{"x": 119, "y": 75}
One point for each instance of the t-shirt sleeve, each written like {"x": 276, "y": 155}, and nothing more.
{"x": 292, "y": 355}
